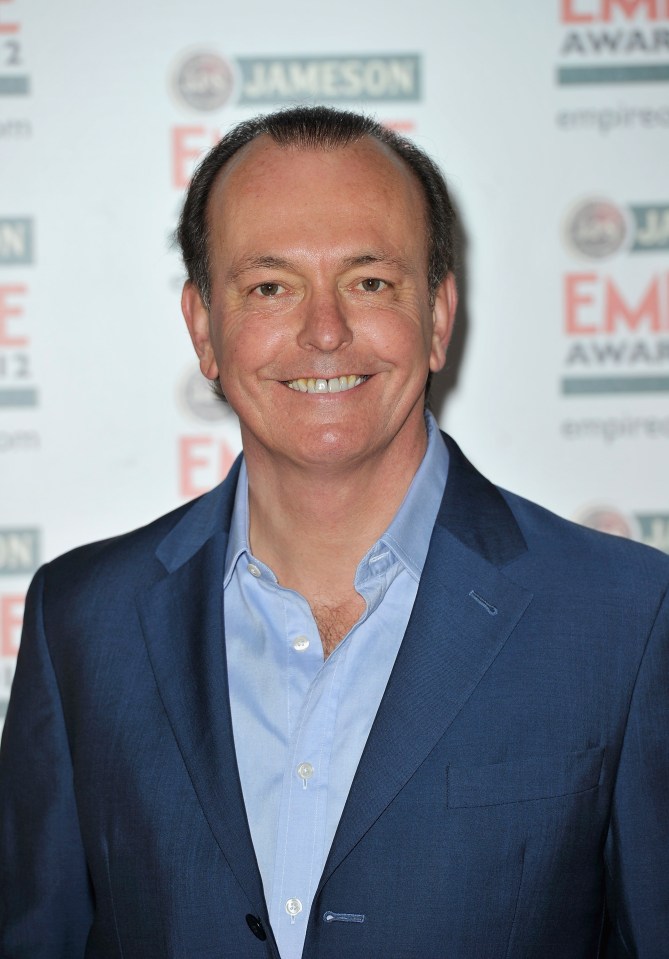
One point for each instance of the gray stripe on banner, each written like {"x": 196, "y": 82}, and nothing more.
{"x": 583, "y": 385}
{"x": 642, "y": 73}
{"x": 24, "y": 397}
{"x": 14, "y": 86}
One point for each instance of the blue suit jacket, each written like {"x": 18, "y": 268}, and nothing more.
{"x": 512, "y": 799}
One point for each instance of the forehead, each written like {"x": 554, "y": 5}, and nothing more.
{"x": 263, "y": 174}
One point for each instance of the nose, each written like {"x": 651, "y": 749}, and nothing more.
{"x": 324, "y": 325}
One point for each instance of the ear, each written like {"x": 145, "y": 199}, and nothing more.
{"x": 443, "y": 318}
{"x": 196, "y": 316}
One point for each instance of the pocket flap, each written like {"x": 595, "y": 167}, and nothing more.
{"x": 537, "y": 777}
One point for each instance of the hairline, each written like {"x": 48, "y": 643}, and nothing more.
{"x": 238, "y": 157}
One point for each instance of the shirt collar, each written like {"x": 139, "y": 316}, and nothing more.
{"x": 407, "y": 537}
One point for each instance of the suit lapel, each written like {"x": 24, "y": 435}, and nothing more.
{"x": 182, "y": 621}
{"x": 465, "y": 610}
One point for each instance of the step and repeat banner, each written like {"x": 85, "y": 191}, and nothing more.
{"x": 551, "y": 121}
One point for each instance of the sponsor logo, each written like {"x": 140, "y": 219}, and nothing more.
{"x": 16, "y": 241}
{"x": 11, "y": 620}
{"x": 330, "y": 79}
{"x": 613, "y": 42}
{"x": 203, "y": 461}
{"x": 616, "y": 324}
{"x": 649, "y": 528}
{"x": 19, "y": 551}
{"x": 205, "y": 81}
{"x": 13, "y": 80}
{"x": 618, "y": 338}
{"x": 198, "y": 399}
{"x": 16, "y": 388}
{"x": 598, "y": 228}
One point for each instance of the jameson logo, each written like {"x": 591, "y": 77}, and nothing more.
{"x": 654, "y": 529}
{"x": 649, "y": 528}
{"x": 330, "y": 79}
{"x": 651, "y": 227}
{"x": 19, "y": 551}
{"x": 598, "y": 228}
{"x": 16, "y": 240}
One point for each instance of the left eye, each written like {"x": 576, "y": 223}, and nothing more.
{"x": 372, "y": 285}
{"x": 269, "y": 289}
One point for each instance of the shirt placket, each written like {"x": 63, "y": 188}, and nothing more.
{"x": 302, "y": 816}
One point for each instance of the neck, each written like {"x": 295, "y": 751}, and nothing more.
{"x": 312, "y": 525}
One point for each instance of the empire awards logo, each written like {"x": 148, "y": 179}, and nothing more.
{"x": 613, "y": 42}
{"x": 616, "y": 315}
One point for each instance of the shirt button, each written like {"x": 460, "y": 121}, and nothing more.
{"x": 253, "y": 570}
{"x": 300, "y": 643}
{"x": 293, "y": 907}
{"x": 305, "y": 771}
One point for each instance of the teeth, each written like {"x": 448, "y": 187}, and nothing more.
{"x": 338, "y": 384}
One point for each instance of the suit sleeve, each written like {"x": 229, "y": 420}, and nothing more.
{"x": 637, "y": 846}
{"x": 45, "y": 897}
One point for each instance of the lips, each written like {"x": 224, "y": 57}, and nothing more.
{"x": 337, "y": 384}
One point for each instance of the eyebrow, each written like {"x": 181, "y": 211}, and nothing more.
{"x": 378, "y": 256}
{"x": 255, "y": 262}
{"x": 260, "y": 262}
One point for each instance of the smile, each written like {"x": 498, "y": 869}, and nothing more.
{"x": 338, "y": 384}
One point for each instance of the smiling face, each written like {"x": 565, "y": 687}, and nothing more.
{"x": 320, "y": 324}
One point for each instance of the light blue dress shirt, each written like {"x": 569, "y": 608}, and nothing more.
{"x": 301, "y": 722}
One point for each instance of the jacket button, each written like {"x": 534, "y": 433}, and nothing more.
{"x": 256, "y": 928}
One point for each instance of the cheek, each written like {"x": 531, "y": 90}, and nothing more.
{"x": 405, "y": 341}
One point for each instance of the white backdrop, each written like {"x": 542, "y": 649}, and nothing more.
{"x": 551, "y": 120}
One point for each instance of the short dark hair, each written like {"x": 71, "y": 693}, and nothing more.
{"x": 313, "y": 128}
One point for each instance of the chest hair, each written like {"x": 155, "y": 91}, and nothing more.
{"x": 335, "y": 621}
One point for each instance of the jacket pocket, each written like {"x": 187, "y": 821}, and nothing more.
{"x": 537, "y": 777}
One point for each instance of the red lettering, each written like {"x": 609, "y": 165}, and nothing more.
{"x": 192, "y": 460}
{"x": 574, "y": 299}
{"x": 618, "y": 312}
{"x": 11, "y": 620}
{"x": 401, "y": 126}
{"x": 7, "y": 311}
{"x": 186, "y": 153}
{"x": 628, "y": 8}
{"x": 569, "y": 15}
{"x": 203, "y": 462}
{"x": 571, "y": 11}
{"x": 8, "y": 27}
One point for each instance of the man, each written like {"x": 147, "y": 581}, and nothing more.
{"x": 355, "y": 702}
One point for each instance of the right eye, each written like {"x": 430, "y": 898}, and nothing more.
{"x": 269, "y": 289}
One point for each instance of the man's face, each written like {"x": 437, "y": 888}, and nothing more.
{"x": 320, "y": 325}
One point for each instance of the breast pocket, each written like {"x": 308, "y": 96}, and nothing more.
{"x": 523, "y": 780}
